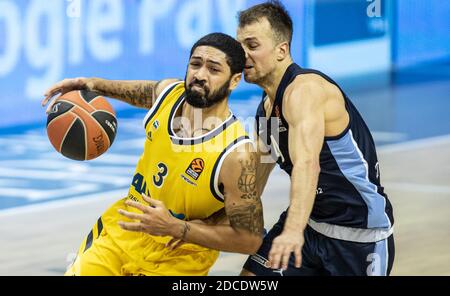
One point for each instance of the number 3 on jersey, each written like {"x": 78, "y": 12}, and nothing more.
{"x": 158, "y": 179}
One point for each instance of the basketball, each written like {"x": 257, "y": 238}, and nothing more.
{"x": 81, "y": 125}
{"x": 247, "y": 183}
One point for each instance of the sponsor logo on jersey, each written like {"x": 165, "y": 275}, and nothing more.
{"x": 186, "y": 179}
{"x": 281, "y": 127}
{"x": 277, "y": 111}
{"x": 156, "y": 124}
{"x": 195, "y": 168}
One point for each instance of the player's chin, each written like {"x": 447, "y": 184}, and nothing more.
{"x": 197, "y": 101}
{"x": 249, "y": 78}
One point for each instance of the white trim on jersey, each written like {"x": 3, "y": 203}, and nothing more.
{"x": 157, "y": 101}
{"x": 351, "y": 234}
{"x": 219, "y": 166}
{"x": 174, "y": 135}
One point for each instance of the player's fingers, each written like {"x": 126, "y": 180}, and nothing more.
{"x": 137, "y": 205}
{"x": 179, "y": 243}
{"x": 54, "y": 88}
{"x": 147, "y": 198}
{"x": 153, "y": 202}
{"x": 131, "y": 226}
{"x": 54, "y": 100}
{"x": 275, "y": 256}
{"x": 285, "y": 258}
{"x": 171, "y": 242}
{"x": 50, "y": 96}
{"x": 133, "y": 216}
{"x": 174, "y": 243}
{"x": 62, "y": 87}
{"x": 298, "y": 257}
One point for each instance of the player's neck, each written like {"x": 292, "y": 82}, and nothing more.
{"x": 220, "y": 110}
{"x": 207, "y": 119}
{"x": 271, "y": 83}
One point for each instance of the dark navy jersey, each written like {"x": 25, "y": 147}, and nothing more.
{"x": 349, "y": 192}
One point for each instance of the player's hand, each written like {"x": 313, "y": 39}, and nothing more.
{"x": 174, "y": 243}
{"x": 282, "y": 246}
{"x": 62, "y": 87}
{"x": 155, "y": 219}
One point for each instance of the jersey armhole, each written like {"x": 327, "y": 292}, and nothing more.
{"x": 214, "y": 183}
{"x": 158, "y": 103}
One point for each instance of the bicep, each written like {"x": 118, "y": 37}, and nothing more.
{"x": 305, "y": 115}
{"x": 242, "y": 202}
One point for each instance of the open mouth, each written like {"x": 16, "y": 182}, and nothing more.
{"x": 248, "y": 67}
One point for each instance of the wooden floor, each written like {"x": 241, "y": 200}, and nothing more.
{"x": 38, "y": 240}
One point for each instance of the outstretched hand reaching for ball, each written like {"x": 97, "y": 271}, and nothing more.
{"x": 64, "y": 86}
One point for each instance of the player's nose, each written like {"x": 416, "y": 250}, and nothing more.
{"x": 246, "y": 54}
{"x": 201, "y": 74}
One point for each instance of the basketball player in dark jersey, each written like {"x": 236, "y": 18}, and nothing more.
{"x": 339, "y": 221}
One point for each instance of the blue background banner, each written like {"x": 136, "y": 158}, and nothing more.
{"x": 44, "y": 41}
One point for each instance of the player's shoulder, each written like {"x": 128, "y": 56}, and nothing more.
{"x": 241, "y": 155}
{"x": 310, "y": 86}
{"x": 163, "y": 84}
{"x": 305, "y": 87}
{"x": 307, "y": 80}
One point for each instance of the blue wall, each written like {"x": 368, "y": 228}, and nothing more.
{"x": 43, "y": 41}
{"x": 422, "y": 32}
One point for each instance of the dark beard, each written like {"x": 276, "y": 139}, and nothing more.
{"x": 198, "y": 100}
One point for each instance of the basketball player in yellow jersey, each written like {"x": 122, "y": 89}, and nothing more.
{"x": 193, "y": 192}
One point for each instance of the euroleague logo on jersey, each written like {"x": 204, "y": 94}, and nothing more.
{"x": 195, "y": 168}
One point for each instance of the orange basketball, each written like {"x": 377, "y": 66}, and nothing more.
{"x": 81, "y": 125}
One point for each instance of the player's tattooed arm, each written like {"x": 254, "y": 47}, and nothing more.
{"x": 139, "y": 93}
{"x": 219, "y": 217}
{"x": 240, "y": 230}
{"x": 247, "y": 213}
{"x": 248, "y": 218}
{"x": 242, "y": 201}
{"x": 247, "y": 179}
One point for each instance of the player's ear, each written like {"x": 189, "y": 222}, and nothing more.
{"x": 235, "y": 78}
{"x": 282, "y": 51}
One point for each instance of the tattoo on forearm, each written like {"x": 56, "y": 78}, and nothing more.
{"x": 247, "y": 179}
{"x": 138, "y": 94}
{"x": 186, "y": 229}
{"x": 217, "y": 217}
{"x": 248, "y": 217}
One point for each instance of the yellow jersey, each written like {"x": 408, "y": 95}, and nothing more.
{"x": 181, "y": 172}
